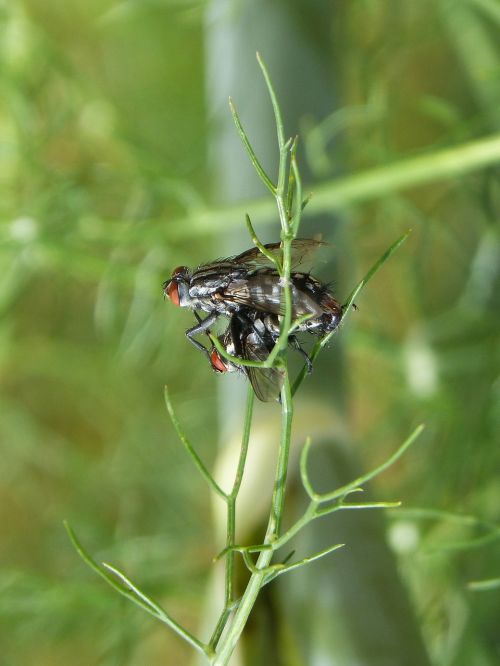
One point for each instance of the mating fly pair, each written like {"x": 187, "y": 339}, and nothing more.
{"x": 248, "y": 290}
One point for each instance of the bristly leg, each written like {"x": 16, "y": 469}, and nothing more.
{"x": 296, "y": 345}
{"x": 201, "y": 327}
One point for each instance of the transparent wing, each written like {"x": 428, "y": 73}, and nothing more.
{"x": 266, "y": 382}
{"x": 302, "y": 250}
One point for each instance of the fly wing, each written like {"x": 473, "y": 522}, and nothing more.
{"x": 302, "y": 250}
{"x": 262, "y": 291}
{"x": 266, "y": 382}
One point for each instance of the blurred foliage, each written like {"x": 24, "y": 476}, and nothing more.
{"x": 102, "y": 158}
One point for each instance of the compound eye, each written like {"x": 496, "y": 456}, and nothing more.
{"x": 171, "y": 287}
{"x": 217, "y": 362}
{"x": 172, "y": 292}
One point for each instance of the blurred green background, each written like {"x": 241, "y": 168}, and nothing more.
{"x": 110, "y": 175}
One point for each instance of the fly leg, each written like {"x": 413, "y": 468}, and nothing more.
{"x": 353, "y": 306}
{"x": 201, "y": 327}
{"x": 292, "y": 340}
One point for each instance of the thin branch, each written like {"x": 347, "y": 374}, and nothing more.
{"x": 378, "y": 264}
{"x": 325, "y": 511}
{"x": 244, "y": 443}
{"x": 292, "y": 181}
{"x": 348, "y": 305}
{"x": 303, "y": 471}
{"x": 253, "y": 157}
{"x": 278, "y": 569}
{"x": 340, "y": 492}
{"x": 281, "y": 196}
{"x": 125, "y": 587}
{"x": 301, "y": 204}
{"x": 279, "y": 490}
{"x": 274, "y": 100}
{"x": 191, "y": 451}
{"x": 220, "y": 626}
{"x": 237, "y": 360}
{"x": 272, "y": 257}
{"x": 231, "y": 522}
{"x": 237, "y": 548}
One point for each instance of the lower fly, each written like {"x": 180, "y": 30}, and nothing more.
{"x": 251, "y": 336}
{"x": 248, "y": 338}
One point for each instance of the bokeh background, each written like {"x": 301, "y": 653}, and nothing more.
{"x": 118, "y": 161}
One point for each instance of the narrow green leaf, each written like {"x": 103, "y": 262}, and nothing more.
{"x": 304, "y": 454}
{"x": 119, "y": 582}
{"x": 274, "y": 101}
{"x": 324, "y": 511}
{"x": 340, "y": 492}
{"x": 278, "y": 569}
{"x": 348, "y": 305}
{"x": 244, "y": 442}
{"x": 251, "y": 153}
{"x": 301, "y": 204}
{"x": 291, "y": 186}
{"x": 191, "y": 451}
{"x": 376, "y": 266}
{"x": 272, "y": 257}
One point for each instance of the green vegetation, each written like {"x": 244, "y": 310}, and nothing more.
{"x": 106, "y": 186}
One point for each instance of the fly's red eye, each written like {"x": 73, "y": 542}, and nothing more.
{"x": 178, "y": 270}
{"x": 172, "y": 291}
{"x": 217, "y": 362}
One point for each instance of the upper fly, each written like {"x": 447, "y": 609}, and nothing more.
{"x": 251, "y": 338}
{"x": 207, "y": 287}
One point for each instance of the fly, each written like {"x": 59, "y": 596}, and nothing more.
{"x": 248, "y": 338}
{"x": 251, "y": 336}
{"x": 248, "y": 280}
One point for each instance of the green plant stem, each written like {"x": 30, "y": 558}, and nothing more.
{"x": 327, "y": 497}
{"x": 257, "y": 579}
{"x": 231, "y": 525}
{"x": 279, "y": 569}
{"x": 261, "y": 570}
{"x": 279, "y": 490}
{"x": 231, "y": 500}
{"x": 229, "y": 641}
{"x": 315, "y": 510}
{"x": 259, "y": 574}
{"x": 288, "y": 198}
